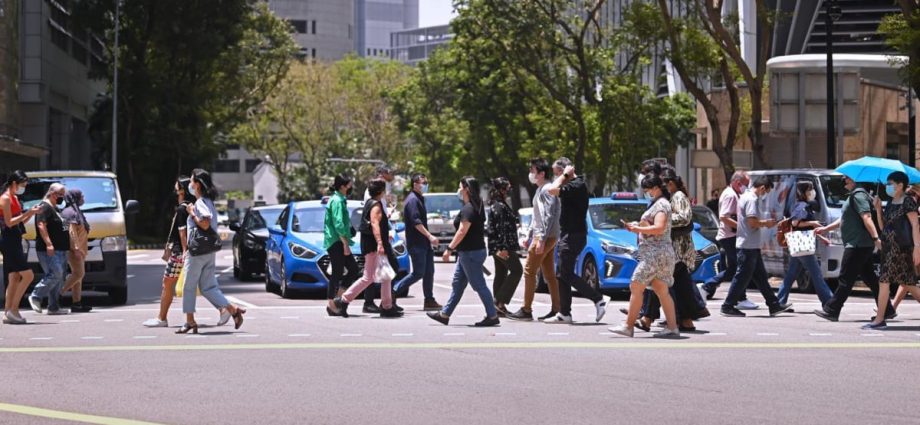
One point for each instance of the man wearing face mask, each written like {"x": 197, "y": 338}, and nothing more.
{"x": 544, "y": 233}
{"x": 51, "y": 246}
{"x": 726, "y": 238}
{"x": 752, "y": 213}
{"x": 419, "y": 242}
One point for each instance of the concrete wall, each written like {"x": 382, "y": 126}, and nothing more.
{"x": 377, "y": 19}
{"x": 334, "y": 23}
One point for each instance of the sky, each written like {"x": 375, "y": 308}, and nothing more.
{"x": 435, "y": 12}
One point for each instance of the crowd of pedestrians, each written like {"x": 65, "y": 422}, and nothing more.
{"x": 661, "y": 282}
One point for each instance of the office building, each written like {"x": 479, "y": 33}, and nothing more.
{"x": 415, "y": 45}
{"x": 324, "y": 29}
{"x": 377, "y": 19}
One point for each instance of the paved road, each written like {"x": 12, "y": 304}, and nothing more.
{"x": 292, "y": 364}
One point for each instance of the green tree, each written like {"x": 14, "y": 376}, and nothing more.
{"x": 902, "y": 32}
{"x": 188, "y": 73}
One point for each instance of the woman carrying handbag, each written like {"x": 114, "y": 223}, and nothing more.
{"x": 203, "y": 244}
{"x": 803, "y": 219}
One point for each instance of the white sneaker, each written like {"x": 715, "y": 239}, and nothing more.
{"x": 36, "y": 304}
{"x": 601, "y": 307}
{"x": 10, "y": 319}
{"x": 559, "y": 319}
{"x": 667, "y": 333}
{"x": 224, "y": 317}
{"x": 622, "y": 330}
{"x": 747, "y": 305}
{"x": 59, "y": 312}
{"x": 156, "y": 323}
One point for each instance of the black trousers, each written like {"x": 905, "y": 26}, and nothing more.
{"x": 685, "y": 301}
{"x": 340, "y": 264}
{"x": 569, "y": 248}
{"x": 507, "y": 277}
{"x": 856, "y": 263}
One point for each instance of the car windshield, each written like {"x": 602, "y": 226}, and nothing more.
{"x": 99, "y": 193}
{"x": 525, "y": 220}
{"x": 834, "y": 192}
{"x": 442, "y": 204}
{"x": 312, "y": 219}
{"x": 704, "y": 217}
{"x": 608, "y": 216}
{"x": 261, "y": 218}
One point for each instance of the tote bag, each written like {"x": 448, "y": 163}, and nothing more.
{"x": 801, "y": 243}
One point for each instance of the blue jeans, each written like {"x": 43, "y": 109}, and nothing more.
{"x": 422, "y": 269}
{"x": 469, "y": 270}
{"x": 810, "y": 263}
{"x": 201, "y": 273}
{"x": 53, "y": 281}
{"x": 750, "y": 267}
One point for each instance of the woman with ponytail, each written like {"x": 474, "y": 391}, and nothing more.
{"x": 15, "y": 263}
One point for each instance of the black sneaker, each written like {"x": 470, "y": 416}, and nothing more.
{"x": 371, "y": 308}
{"x": 341, "y": 306}
{"x": 732, "y": 312}
{"x": 710, "y": 291}
{"x": 493, "y": 321}
{"x": 825, "y": 315}
{"x": 549, "y": 315}
{"x": 888, "y": 316}
{"x": 438, "y": 317}
{"x": 80, "y": 308}
{"x": 390, "y": 313}
{"x": 502, "y": 311}
{"x": 775, "y": 310}
{"x": 521, "y": 315}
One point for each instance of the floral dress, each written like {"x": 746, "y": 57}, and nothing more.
{"x": 681, "y": 216}
{"x": 656, "y": 253}
{"x": 897, "y": 262}
{"x": 503, "y": 225}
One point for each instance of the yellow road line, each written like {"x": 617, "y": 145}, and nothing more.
{"x": 68, "y": 416}
{"x": 626, "y": 345}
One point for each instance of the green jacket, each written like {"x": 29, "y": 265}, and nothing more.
{"x": 337, "y": 223}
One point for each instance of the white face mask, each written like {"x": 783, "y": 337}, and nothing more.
{"x": 389, "y": 187}
{"x": 532, "y": 177}
{"x": 460, "y": 194}
{"x": 20, "y": 190}
{"x": 811, "y": 195}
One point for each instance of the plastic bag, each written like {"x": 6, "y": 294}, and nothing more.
{"x": 384, "y": 272}
{"x": 180, "y": 283}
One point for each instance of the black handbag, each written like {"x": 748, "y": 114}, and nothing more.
{"x": 203, "y": 242}
{"x": 903, "y": 232}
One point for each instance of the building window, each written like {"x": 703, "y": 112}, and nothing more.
{"x": 313, "y": 27}
{"x": 227, "y": 166}
{"x": 313, "y": 53}
{"x": 251, "y": 164}
{"x": 300, "y": 26}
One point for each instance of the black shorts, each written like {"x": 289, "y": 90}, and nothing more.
{"x": 14, "y": 259}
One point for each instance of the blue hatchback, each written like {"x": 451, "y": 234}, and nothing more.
{"x": 609, "y": 257}
{"x": 295, "y": 257}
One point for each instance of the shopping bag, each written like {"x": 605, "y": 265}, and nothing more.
{"x": 801, "y": 243}
{"x": 384, "y": 272}
{"x": 180, "y": 283}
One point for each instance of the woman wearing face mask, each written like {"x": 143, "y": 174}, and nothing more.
{"x": 900, "y": 245}
{"x": 201, "y": 269}
{"x": 913, "y": 192}
{"x": 79, "y": 232}
{"x": 803, "y": 218}
{"x": 177, "y": 245}
{"x": 470, "y": 246}
{"x": 15, "y": 263}
{"x": 337, "y": 241}
{"x": 503, "y": 245}
{"x": 655, "y": 270}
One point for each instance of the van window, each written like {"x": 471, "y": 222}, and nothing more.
{"x": 99, "y": 193}
{"x": 835, "y": 194}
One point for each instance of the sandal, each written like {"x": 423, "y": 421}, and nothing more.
{"x": 188, "y": 327}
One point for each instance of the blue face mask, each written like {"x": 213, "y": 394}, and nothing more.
{"x": 424, "y": 188}
{"x": 889, "y": 189}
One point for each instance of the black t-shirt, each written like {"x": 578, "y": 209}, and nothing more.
{"x": 180, "y": 223}
{"x": 57, "y": 231}
{"x": 475, "y": 237}
{"x": 368, "y": 240}
{"x": 574, "y": 197}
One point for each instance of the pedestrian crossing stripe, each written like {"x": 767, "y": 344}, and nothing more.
{"x": 68, "y": 416}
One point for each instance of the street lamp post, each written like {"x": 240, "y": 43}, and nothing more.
{"x": 115, "y": 89}
{"x": 832, "y": 14}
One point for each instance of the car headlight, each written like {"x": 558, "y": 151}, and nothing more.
{"x": 399, "y": 248}
{"x": 114, "y": 243}
{"x": 709, "y": 250}
{"x": 301, "y": 251}
{"x": 835, "y": 237}
{"x": 612, "y": 248}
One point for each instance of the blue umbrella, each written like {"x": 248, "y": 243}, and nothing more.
{"x": 870, "y": 169}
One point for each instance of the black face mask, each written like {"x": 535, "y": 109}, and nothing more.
{"x": 349, "y": 191}
{"x": 59, "y": 201}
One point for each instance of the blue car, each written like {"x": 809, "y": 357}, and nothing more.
{"x": 295, "y": 258}
{"x": 609, "y": 258}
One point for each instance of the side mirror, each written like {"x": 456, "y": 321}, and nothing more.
{"x": 276, "y": 230}
{"x": 132, "y": 207}
{"x": 697, "y": 227}
{"x": 400, "y": 227}
{"x": 235, "y": 226}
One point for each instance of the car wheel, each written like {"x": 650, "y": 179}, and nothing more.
{"x": 269, "y": 285}
{"x": 244, "y": 276}
{"x": 589, "y": 273}
{"x": 286, "y": 292}
{"x": 236, "y": 269}
{"x": 118, "y": 296}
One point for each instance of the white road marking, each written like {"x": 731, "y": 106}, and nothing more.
{"x": 875, "y": 334}
{"x": 464, "y": 316}
{"x": 247, "y": 336}
{"x": 196, "y": 336}
{"x": 767, "y": 334}
{"x": 236, "y": 300}
{"x": 715, "y": 334}
{"x": 69, "y": 321}
{"x": 298, "y": 335}
{"x": 136, "y": 256}
{"x": 444, "y": 286}
{"x": 505, "y": 334}
{"x": 227, "y": 270}
{"x": 404, "y": 334}
{"x": 91, "y": 337}
{"x": 350, "y": 335}
{"x": 43, "y": 338}
{"x": 557, "y": 333}
{"x": 454, "y": 334}
{"x": 290, "y": 317}
{"x": 114, "y": 320}
{"x": 130, "y": 276}
{"x": 145, "y": 337}
{"x": 819, "y": 334}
